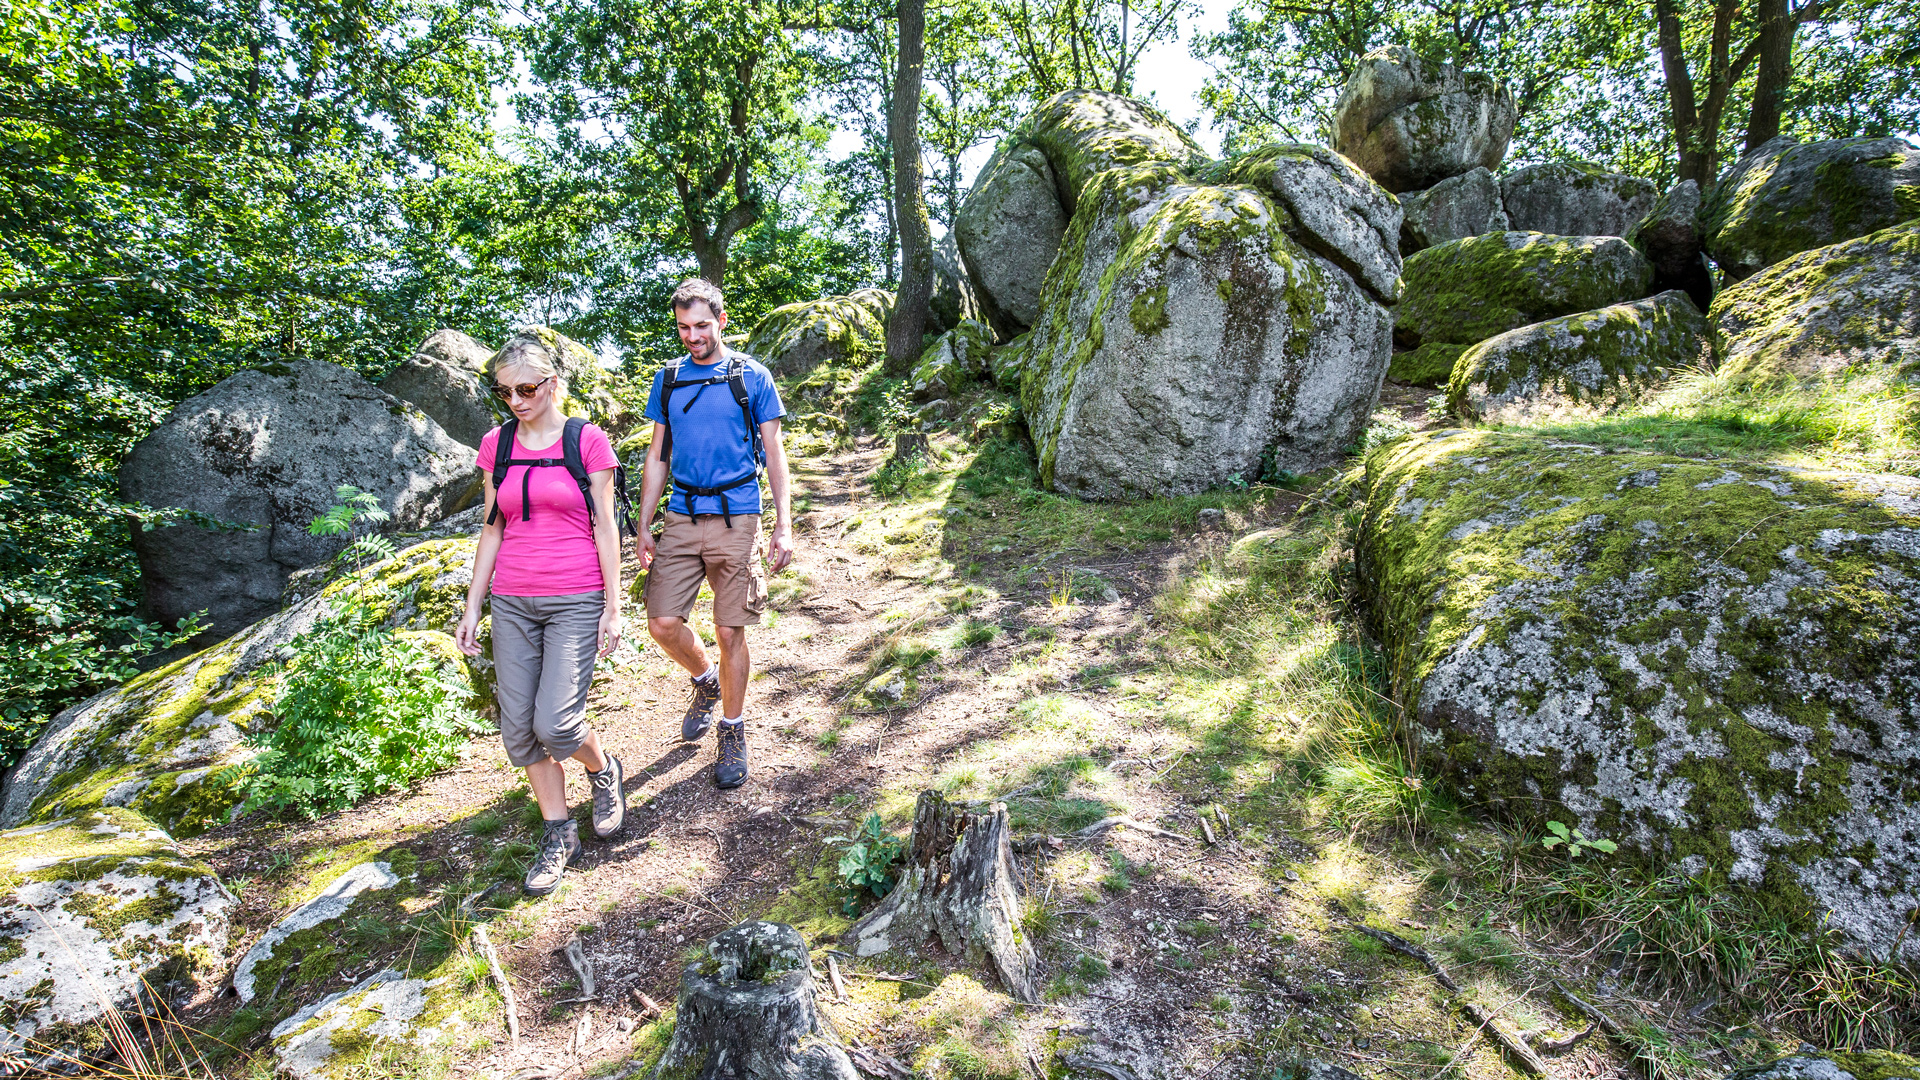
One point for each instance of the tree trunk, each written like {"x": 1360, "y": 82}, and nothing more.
{"x": 959, "y": 890}
{"x": 1682, "y": 112}
{"x": 748, "y": 1013}
{"x": 1774, "y": 72}
{"x": 909, "y": 199}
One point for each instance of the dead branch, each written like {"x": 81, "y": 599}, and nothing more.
{"x": 485, "y": 944}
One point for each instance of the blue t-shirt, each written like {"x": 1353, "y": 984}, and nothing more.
{"x": 709, "y": 434}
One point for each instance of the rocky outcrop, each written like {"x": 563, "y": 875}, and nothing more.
{"x": 1787, "y": 197}
{"x": 1707, "y": 662}
{"x": 1811, "y": 1064}
{"x": 1572, "y": 199}
{"x": 589, "y": 382}
{"x": 267, "y": 449}
{"x": 1669, "y": 236}
{"x": 445, "y": 378}
{"x": 330, "y": 906}
{"x": 1459, "y": 206}
{"x": 1593, "y": 361}
{"x": 1411, "y": 123}
{"x": 1468, "y": 290}
{"x": 96, "y": 908}
{"x": 955, "y": 361}
{"x": 157, "y": 743}
{"x": 334, "y": 1036}
{"x": 1852, "y": 307}
{"x": 1013, "y": 219}
{"x": 953, "y": 301}
{"x": 1163, "y": 279}
{"x": 796, "y": 338}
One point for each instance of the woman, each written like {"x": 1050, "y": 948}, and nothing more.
{"x": 554, "y": 572}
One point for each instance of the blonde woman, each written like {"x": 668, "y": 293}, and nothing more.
{"x": 549, "y": 554}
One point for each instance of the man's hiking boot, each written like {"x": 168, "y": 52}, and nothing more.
{"x": 558, "y": 848}
{"x": 706, "y": 694}
{"x": 609, "y": 798}
{"x": 731, "y": 770}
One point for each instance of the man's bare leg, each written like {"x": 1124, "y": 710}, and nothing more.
{"x": 678, "y": 641}
{"x": 734, "y": 669}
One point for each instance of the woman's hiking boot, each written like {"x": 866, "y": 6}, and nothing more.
{"x": 558, "y": 848}
{"x": 706, "y": 694}
{"x": 609, "y": 798}
{"x": 731, "y": 770}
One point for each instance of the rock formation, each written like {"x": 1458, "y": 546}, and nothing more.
{"x": 1410, "y": 123}
{"x": 1568, "y": 199}
{"x": 1703, "y": 661}
{"x": 446, "y": 379}
{"x": 1468, "y": 290}
{"x": 955, "y": 360}
{"x": 1593, "y": 361}
{"x": 267, "y": 449}
{"x": 1457, "y": 207}
{"x": 386, "y": 1006}
{"x": 954, "y": 300}
{"x": 330, "y": 906}
{"x": 1787, "y": 197}
{"x": 796, "y": 338}
{"x": 1669, "y": 236}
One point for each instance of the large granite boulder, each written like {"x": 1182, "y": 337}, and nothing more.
{"x": 1852, "y": 307}
{"x": 1786, "y": 197}
{"x": 954, "y": 300}
{"x": 445, "y": 378}
{"x": 267, "y": 449}
{"x": 1709, "y": 662}
{"x": 589, "y": 382}
{"x": 1411, "y": 123}
{"x": 1593, "y": 361}
{"x": 96, "y": 911}
{"x": 1466, "y": 291}
{"x": 159, "y": 742}
{"x": 841, "y": 330}
{"x": 1669, "y": 236}
{"x": 1459, "y": 206}
{"x": 1162, "y": 278}
{"x": 1010, "y": 225}
{"x": 956, "y": 360}
{"x": 1571, "y": 199}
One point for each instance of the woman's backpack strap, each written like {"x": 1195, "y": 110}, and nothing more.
{"x": 576, "y": 464}
{"x": 502, "y": 455}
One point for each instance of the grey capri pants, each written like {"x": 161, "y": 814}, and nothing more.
{"x": 543, "y": 653}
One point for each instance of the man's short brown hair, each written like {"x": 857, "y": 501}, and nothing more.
{"x": 699, "y": 290}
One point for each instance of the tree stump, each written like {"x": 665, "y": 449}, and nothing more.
{"x": 957, "y": 889}
{"x": 747, "y": 1012}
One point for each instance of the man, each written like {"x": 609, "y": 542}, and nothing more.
{"x": 707, "y": 435}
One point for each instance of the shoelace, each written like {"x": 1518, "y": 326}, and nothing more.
{"x": 603, "y": 779}
{"x": 733, "y": 746}
{"x": 554, "y": 850}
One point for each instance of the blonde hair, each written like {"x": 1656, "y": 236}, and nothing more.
{"x": 528, "y": 353}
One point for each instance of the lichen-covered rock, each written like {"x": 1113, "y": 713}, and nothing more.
{"x": 158, "y": 743}
{"x": 1574, "y": 199}
{"x": 332, "y": 904}
{"x": 333, "y": 1037}
{"x": 1411, "y": 123}
{"x": 796, "y": 338}
{"x": 445, "y": 378}
{"x": 1851, "y": 307}
{"x": 1810, "y": 1064}
{"x": 1459, "y": 206}
{"x": 1010, "y": 225}
{"x": 1338, "y": 213}
{"x": 91, "y": 907}
{"x": 953, "y": 301}
{"x": 1712, "y": 663}
{"x": 589, "y": 382}
{"x": 1786, "y": 197}
{"x": 1590, "y": 362}
{"x": 1429, "y": 365}
{"x": 954, "y": 361}
{"x": 1669, "y": 236}
{"x": 1008, "y": 363}
{"x": 1466, "y": 291}
{"x": 1190, "y": 336}
{"x": 269, "y": 448}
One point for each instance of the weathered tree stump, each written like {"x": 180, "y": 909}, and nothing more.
{"x": 747, "y": 1013}
{"x": 958, "y": 889}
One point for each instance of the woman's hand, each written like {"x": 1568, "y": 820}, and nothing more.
{"x": 610, "y": 629}
{"x": 467, "y": 634}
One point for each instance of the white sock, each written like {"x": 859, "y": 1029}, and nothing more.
{"x": 712, "y": 674}
{"x": 741, "y": 719}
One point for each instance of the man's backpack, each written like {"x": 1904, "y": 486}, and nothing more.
{"x": 735, "y": 377}
{"x": 571, "y": 460}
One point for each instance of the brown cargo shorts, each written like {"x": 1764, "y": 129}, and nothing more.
{"x": 692, "y": 550}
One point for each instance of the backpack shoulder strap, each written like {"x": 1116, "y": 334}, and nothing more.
{"x": 737, "y": 382}
{"x": 667, "y": 378}
{"x": 576, "y": 463}
{"x": 502, "y": 454}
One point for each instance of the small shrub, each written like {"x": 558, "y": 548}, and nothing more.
{"x": 866, "y": 866}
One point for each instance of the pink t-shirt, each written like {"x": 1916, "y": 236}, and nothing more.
{"x": 551, "y": 553}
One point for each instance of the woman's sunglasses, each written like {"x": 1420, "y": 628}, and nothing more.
{"x": 525, "y": 390}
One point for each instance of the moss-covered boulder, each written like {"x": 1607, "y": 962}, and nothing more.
{"x": 1586, "y": 363}
{"x": 1669, "y": 236}
{"x": 1808, "y": 1063}
{"x": 1008, "y": 363}
{"x": 1333, "y": 209}
{"x": 1459, "y": 206}
{"x": 1192, "y": 336}
{"x": 342, "y": 1034}
{"x": 1712, "y": 663}
{"x": 796, "y": 338}
{"x": 1851, "y": 307}
{"x": 1786, "y": 197}
{"x": 93, "y": 909}
{"x": 589, "y": 382}
{"x": 955, "y": 361}
{"x": 1410, "y": 122}
{"x": 330, "y": 906}
{"x": 160, "y": 742}
{"x": 1013, "y": 219}
{"x": 1574, "y": 199}
{"x": 445, "y": 378}
{"x": 1468, "y": 290}
{"x": 1429, "y": 365}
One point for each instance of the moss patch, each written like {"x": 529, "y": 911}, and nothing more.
{"x": 1468, "y": 290}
